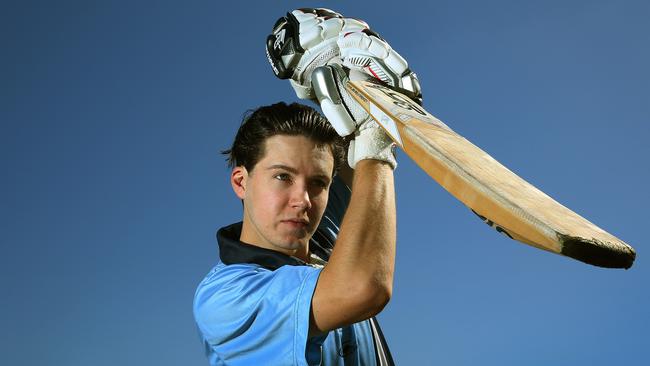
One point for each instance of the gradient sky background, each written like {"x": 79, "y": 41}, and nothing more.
{"x": 113, "y": 114}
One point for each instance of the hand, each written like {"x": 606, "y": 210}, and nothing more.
{"x": 320, "y": 51}
{"x": 308, "y": 38}
{"x": 347, "y": 116}
{"x": 303, "y": 40}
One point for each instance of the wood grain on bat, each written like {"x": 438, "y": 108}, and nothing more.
{"x": 490, "y": 189}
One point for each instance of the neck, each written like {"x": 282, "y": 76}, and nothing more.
{"x": 250, "y": 236}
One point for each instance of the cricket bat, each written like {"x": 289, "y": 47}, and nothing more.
{"x": 495, "y": 194}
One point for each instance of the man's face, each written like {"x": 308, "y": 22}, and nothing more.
{"x": 285, "y": 195}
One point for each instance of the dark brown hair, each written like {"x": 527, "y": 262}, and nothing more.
{"x": 281, "y": 119}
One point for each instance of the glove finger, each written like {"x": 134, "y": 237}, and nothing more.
{"x": 328, "y": 85}
{"x": 374, "y": 56}
{"x": 312, "y": 34}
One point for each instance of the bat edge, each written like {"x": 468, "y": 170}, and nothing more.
{"x": 596, "y": 252}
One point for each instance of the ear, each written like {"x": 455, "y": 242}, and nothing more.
{"x": 238, "y": 180}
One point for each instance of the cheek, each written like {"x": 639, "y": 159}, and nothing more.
{"x": 269, "y": 202}
{"x": 318, "y": 205}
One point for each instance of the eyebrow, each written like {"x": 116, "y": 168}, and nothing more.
{"x": 283, "y": 167}
{"x": 295, "y": 171}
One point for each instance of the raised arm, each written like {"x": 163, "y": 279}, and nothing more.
{"x": 357, "y": 282}
{"x": 319, "y": 51}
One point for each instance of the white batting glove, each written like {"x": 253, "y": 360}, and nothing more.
{"x": 347, "y": 116}
{"x": 304, "y": 40}
{"x": 309, "y": 38}
{"x": 320, "y": 51}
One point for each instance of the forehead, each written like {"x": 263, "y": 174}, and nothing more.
{"x": 298, "y": 152}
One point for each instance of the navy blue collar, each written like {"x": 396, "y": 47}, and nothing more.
{"x": 233, "y": 251}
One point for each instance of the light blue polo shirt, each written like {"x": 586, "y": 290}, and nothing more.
{"x": 250, "y": 315}
{"x": 253, "y": 307}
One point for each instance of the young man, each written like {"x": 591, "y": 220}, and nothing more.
{"x": 282, "y": 293}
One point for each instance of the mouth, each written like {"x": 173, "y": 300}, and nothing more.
{"x": 296, "y": 223}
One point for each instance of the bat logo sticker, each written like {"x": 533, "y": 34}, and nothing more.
{"x": 399, "y": 100}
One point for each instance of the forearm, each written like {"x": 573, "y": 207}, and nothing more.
{"x": 363, "y": 260}
{"x": 366, "y": 242}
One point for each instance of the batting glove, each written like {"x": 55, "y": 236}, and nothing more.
{"x": 320, "y": 51}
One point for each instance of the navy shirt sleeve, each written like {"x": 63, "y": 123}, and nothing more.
{"x": 339, "y": 197}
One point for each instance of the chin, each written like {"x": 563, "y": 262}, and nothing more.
{"x": 293, "y": 243}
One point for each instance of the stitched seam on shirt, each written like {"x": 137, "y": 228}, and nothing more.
{"x": 296, "y": 307}
{"x": 295, "y": 312}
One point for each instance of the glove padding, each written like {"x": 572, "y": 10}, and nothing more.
{"x": 320, "y": 50}
{"x": 303, "y": 40}
{"x": 347, "y": 116}
{"x": 308, "y": 38}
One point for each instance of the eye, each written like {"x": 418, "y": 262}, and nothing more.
{"x": 282, "y": 177}
{"x": 320, "y": 183}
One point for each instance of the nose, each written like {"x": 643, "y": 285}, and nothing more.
{"x": 300, "y": 197}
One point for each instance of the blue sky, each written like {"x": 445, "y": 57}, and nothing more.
{"x": 113, "y": 114}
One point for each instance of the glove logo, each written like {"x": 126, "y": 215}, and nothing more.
{"x": 279, "y": 40}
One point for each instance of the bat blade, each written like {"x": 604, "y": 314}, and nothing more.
{"x": 498, "y": 196}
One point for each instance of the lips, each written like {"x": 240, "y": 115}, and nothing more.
{"x": 296, "y": 222}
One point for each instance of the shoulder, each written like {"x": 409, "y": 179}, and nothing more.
{"x": 243, "y": 291}
{"x": 246, "y": 277}
{"x": 225, "y": 281}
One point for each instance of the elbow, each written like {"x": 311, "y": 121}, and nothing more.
{"x": 357, "y": 295}
{"x": 383, "y": 297}
{"x": 376, "y": 297}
